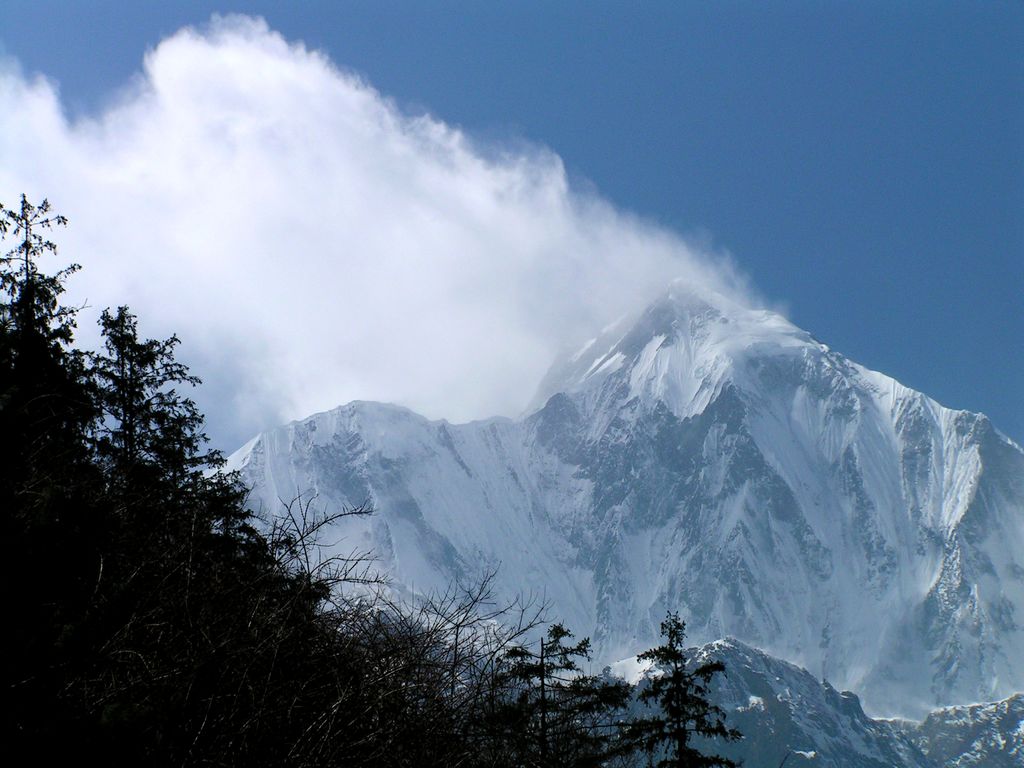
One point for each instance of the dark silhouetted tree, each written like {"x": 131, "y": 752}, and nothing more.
{"x": 681, "y": 692}
{"x": 50, "y": 529}
{"x": 553, "y": 713}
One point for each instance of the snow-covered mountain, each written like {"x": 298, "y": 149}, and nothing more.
{"x": 974, "y": 736}
{"x": 786, "y": 715}
{"x": 716, "y": 460}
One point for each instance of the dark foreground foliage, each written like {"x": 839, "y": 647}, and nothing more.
{"x": 153, "y": 620}
{"x": 681, "y": 693}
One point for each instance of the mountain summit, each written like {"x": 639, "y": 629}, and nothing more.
{"x": 717, "y": 460}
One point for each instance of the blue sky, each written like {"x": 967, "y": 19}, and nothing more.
{"x": 862, "y": 162}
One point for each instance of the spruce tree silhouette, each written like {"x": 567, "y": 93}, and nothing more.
{"x": 681, "y": 693}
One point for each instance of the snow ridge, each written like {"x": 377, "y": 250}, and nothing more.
{"x": 715, "y": 460}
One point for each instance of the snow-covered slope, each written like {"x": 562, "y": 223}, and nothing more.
{"x": 975, "y": 736}
{"x": 785, "y": 714}
{"x": 719, "y": 461}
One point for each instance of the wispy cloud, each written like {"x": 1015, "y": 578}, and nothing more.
{"x": 312, "y": 244}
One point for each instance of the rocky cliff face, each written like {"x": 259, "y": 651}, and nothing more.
{"x": 716, "y": 460}
{"x": 974, "y": 736}
{"x": 786, "y": 714}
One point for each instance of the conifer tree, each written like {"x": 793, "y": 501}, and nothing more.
{"x": 556, "y": 714}
{"x": 49, "y": 526}
{"x": 681, "y": 693}
{"x": 43, "y": 395}
{"x": 143, "y": 411}
{"x": 149, "y": 434}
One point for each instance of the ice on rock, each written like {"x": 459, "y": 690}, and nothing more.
{"x": 715, "y": 460}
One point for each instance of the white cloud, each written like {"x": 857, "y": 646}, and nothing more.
{"x": 312, "y": 244}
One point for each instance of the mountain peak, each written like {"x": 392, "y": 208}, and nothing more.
{"x": 680, "y": 344}
{"x": 713, "y": 459}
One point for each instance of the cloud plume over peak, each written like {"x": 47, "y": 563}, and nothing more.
{"x": 313, "y": 244}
